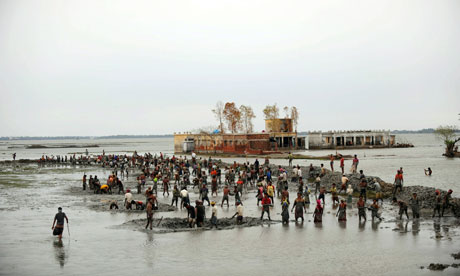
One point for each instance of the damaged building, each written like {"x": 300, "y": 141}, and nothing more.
{"x": 350, "y": 139}
{"x": 278, "y": 137}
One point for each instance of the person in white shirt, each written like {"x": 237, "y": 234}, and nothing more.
{"x": 294, "y": 174}
{"x": 128, "y": 199}
{"x": 239, "y": 212}
{"x": 344, "y": 183}
{"x": 184, "y": 199}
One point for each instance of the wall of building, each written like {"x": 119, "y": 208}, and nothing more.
{"x": 278, "y": 125}
{"x": 226, "y": 143}
{"x": 343, "y": 139}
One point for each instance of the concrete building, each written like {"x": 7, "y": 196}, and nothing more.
{"x": 278, "y": 137}
{"x": 350, "y": 139}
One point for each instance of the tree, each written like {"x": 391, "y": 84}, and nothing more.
{"x": 271, "y": 112}
{"x": 232, "y": 116}
{"x": 219, "y": 113}
{"x": 448, "y": 135}
{"x": 286, "y": 112}
{"x": 247, "y": 114}
{"x": 295, "y": 117}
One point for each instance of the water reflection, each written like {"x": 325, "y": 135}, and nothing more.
{"x": 402, "y": 226}
{"x": 375, "y": 225}
{"x": 150, "y": 241}
{"x": 343, "y": 224}
{"x": 149, "y": 251}
{"x": 362, "y": 225}
{"x": 299, "y": 224}
{"x": 59, "y": 253}
{"x": 415, "y": 227}
{"x": 437, "y": 229}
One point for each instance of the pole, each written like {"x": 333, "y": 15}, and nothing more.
{"x": 159, "y": 221}
{"x": 68, "y": 229}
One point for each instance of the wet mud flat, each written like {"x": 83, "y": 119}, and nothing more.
{"x": 171, "y": 225}
{"x": 441, "y": 267}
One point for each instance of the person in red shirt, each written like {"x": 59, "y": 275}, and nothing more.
{"x": 342, "y": 165}
{"x": 266, "y": 203}
{"x": 399, "y": 180}
{"x": 239, "y": 185}
{"x": 214, "y": 186}
{"x": 226, "y": 191}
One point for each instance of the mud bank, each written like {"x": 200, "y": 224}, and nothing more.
{"x": 170, "y": 225}
{"x": 426, "y": 195}
{"x": 102, "y": 202}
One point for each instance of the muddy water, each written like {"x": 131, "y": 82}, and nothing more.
{"x": 380, "y": 162}
{"x": 29, "y": 197}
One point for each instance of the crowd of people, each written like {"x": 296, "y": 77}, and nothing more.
{"x": 160, "y": 173}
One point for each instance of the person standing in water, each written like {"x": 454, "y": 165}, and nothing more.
{"x": 342, "y": 212}
{"x": 318, "y": 214}
{"x": 149, "y": 210}
{"x": 354, "y": 167}
{"x": 375, "y": 210}
{"x": 343, "y": 186}
{"x": 266, "y": 203}
{"x": 84, "y": 182}
{"x": 176, "y": 195}
{"x": 361, "y": 208}
{"x": 446, "y": 202}
{"x": 200, "y": 213}
{"x": 285, "y": 212}
{"x": 402, "y": 209}
{"x": 398, "y": 183}
{"x": 332, "y": 162}
{"x": 342, "y": 164}
{"x": 58, "y": 227}
{"x": 299, "y": 204}
{"x": 428, "y": 171}
{"x": 213, "y": 215}
{"x": 437, "y": 204}
{"x": 415, "y": 206}
{"x": 225, "y": 192}
{"x": 349, "y": 194}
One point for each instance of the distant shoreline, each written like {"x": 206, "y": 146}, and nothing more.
{"x": 16, "y": 138}
{"x": 84, "y": 137}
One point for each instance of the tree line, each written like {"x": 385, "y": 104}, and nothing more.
{"x": 240, "y": 119}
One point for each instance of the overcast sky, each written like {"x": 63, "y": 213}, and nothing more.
{"x": 156, "y": 67}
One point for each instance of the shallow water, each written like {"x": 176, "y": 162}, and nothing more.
{"x": 97, "y": 245}
{"x": 379, "y": 162}
{"x": 30, "y": 195}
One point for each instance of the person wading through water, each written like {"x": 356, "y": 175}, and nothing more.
{"x": 299, "y": 205}
{"x": 342, "y": 212}
{"x": 149, "y": 211}
{"x": 266, "y": 203}
{"x": 59, "y": 228}
{"x": 361, "y": 208}
{"x": 318, "y": 214}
